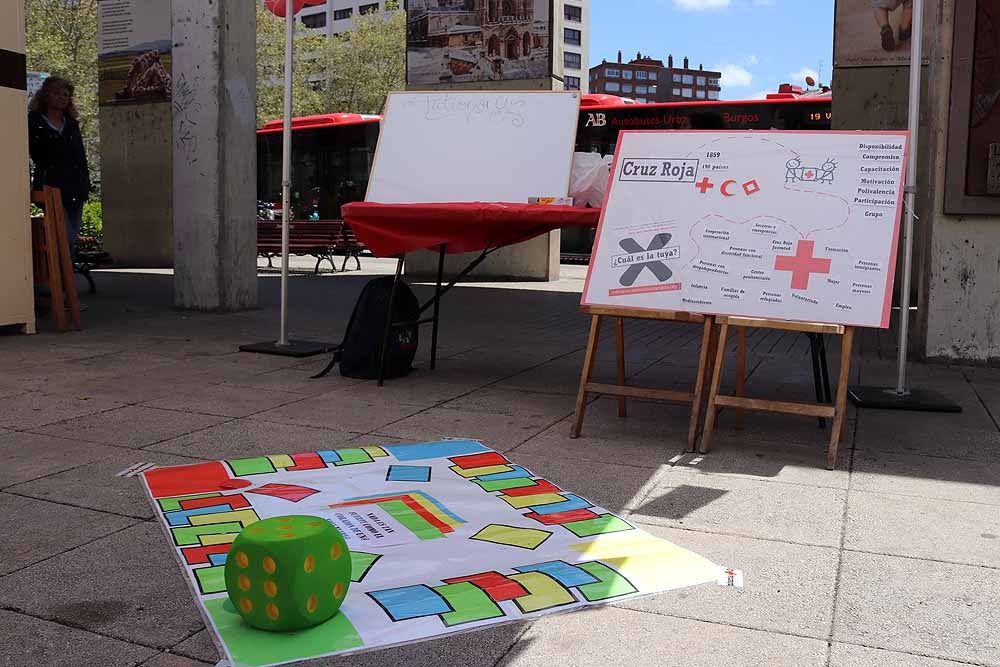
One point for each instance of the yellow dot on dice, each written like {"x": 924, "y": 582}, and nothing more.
{"x": 246, "y": 605}
{"x": 288, "y": 536}
{"x": 335, "y": 552}
{"x": 338, "y": 590}
{"x": 270, "y": 588}
{"x": 311, "y": 604}
{"x": 310, "y": 564}
{"x": 269, "y": 565}
{"x": 244, "y": 582}
{"x": 314, "y": 524}
{"x": 242, "y": 560}
{"x": 272, "y": 611}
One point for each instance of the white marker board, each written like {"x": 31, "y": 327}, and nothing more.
{"x": 782, "y": 225}
{"x": 474, "y": 146}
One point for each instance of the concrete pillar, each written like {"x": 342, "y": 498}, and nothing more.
{"x": 214, "y": 154}
{"x": 960, "y": 311}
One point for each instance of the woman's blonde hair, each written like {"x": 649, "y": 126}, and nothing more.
{"x": 40, "y": 100}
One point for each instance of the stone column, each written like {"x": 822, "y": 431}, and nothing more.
{"x": 214, "y": 154}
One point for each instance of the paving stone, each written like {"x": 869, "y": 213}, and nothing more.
{"x": 767, "y": 510}
{"x": 787, "y": 588}
{"x": 645, "y": 420}
{"x": 27, "y": 456}
{"x": 171, "y": 660}
{"x": 131, "y": 426}
{"x": 648, "y": 451}
{"x": 849, "y": 655}
{"x": 34, "y": 530}
{"x": 778, "y": 462}
{"x": 32, "y": 642}
{"x": 244, "y": 438}
{"x": 31, "y": 410}
{"x": 497, "y": 431}
{"x": 970, "y": 435}
{"x": 927, "y": 477}
{"x": 932, "y": 609}
{"x": 563, "y": 376}
{"x": 97, "y": 486}
{"x": 127, "y": 586}
{"x": 420, "y": 389}
{"x": 129, "y": 388}
{"x": 225, "y": 400}
{"x": 342, "y": 411}
{"x": 963, "y": 532}
{"x": 531, "y": 405}
{"x": 198, "y": 646}
{"x": 297, "y": 380}
{"x": 614, "y": 487}
{"x": 628, "y": 638}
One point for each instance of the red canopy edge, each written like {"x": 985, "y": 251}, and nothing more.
{"x": 389, "y": 230}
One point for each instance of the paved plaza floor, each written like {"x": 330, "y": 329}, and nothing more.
{"x": 890, "y": 560}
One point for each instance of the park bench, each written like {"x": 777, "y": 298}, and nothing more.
{"x": 90, "y": 257}
{"x": 321, "y": 239}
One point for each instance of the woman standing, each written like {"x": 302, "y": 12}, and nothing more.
{"x": 56, "y": 147}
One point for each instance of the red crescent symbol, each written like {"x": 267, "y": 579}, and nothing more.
{"x": 722, "y": 189}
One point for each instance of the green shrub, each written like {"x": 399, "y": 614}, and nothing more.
{"x": 93, "y": 222}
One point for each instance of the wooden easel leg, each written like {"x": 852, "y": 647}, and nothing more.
{"x": 588, "y": 367}
{"x": 741, "y": 373}
{"x": 620, "y": 355}
{"x": 699, "y": 385}
{"x": 720, "y": 360}
{"x": 846, "y": 343}
{"x": 55, "y": 281}
{"x": 65, "y": 274}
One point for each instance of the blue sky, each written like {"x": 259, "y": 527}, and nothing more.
{"x": 756, "y": 44}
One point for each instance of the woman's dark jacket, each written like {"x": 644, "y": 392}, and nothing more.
{"x": 60, "y": 159}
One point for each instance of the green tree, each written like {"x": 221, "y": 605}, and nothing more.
{"x": 271, "y": 68}
{"x": 363, "y": 65}
{"x": 62, "y": 40}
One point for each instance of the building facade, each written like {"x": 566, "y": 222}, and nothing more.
{"x": 571, "y": 43}
{"x": 647, "y": 79}
{"x": 336, "y": 16}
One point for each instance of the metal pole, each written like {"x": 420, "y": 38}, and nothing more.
{"x": 913, "y": 124}
{"x": 286, "y": 168}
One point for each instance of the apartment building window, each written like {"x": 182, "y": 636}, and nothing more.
{"x": 572, "y": 83}
{"x": 652, "y": 76}
{"x": 642, "y": 90}
{"x": 314, "y": 20}
{"x": 700, "y": 94}
{"x": 572, "y": 36}
{"x": 713, "y": 82}
{"x": 677, "y": 78}
{"x": 368, "y": 9}
{"x": 642, "y": 74}
{"x": 641, "y": 100}
{"x": 677, "y": 92}
{"x": 612, "y": 73}
{"x": 573, "y": 13}
{"x": 612, "y": 86}
{"x": 341, "y": 14}
{"x": 572, "y": 60}
{"x": 713, "y": 94}
{"x": 627, "y": 88}
{"x": 701, "y": 81}
{"x": 687, "y": 92}
{"x": 688, "y": 79}
{"x": 627, "y": 74}
{"x": 652, "y": 90}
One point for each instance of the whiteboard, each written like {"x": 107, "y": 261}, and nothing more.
{"x": 474, "y": 146}
{"x": 781, "y": 225}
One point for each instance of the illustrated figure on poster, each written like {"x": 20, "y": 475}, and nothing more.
{"x": 882, "y": 9}
{"x": 795, "y": 172}
{"x": 792, "y": 170}
{"x": 147, "y": 76}
{"x": 826, "y": 172}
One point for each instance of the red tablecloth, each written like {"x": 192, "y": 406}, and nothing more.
{"x": 394, "y": 229}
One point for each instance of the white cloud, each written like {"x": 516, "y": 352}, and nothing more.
{"x": 700, "y": 5}
{"x": 752, "y": 59}
{"x": 798, "y": 78}
{"x": 734, "y": 76}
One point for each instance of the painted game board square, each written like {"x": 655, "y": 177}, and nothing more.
{"x": 524, "y": 538}
{"x": 408, "y": 602}
{"x": 291, "y": 492}
{"x": 408, "y": 474}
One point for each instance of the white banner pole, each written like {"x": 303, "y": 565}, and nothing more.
{"x": 286, "y": 168}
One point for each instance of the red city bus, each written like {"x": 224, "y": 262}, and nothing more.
{"x": 332, "y": 154}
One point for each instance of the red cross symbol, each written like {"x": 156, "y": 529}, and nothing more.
{"x": 705, "y": 185}
{"x": 809, "y": 174}
{"x": 802, "y": 264}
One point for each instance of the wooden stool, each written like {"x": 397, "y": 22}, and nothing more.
{"x": 623, "y": 391}
{"x": 50, "y": 258}
{"x": 835, "y": 411}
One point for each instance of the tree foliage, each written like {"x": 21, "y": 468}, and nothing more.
{"x": 62, "y": 40}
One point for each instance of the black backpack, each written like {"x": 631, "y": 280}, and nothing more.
{"x": 358, "y": 354}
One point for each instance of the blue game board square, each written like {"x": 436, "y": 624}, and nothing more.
{"x": 410, "y": 602}
{"x": 408, "y": 474}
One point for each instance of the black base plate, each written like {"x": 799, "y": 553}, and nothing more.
{"x": 295, "y": 348}
{"x": 885, "y": 398}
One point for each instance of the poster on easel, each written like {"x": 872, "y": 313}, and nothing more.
{"x": 799, "y": 226}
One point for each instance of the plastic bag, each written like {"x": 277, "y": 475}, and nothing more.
{"x": 589, "y": 179}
